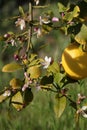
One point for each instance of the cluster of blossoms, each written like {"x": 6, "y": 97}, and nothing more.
{"x": 10, "y": 39}
{"x": 46, "y": 21}
{"x": 29, "y": 81}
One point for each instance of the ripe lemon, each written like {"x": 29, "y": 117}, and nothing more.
{"x": 74, "y": 61}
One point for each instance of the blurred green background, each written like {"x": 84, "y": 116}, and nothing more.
{"x": 39, "y": 115}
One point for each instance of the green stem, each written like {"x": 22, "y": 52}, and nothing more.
{"x": 22, "y": 34}
{"x": 49, "y": 89}
{"x": 29, "y": 46}
{"x": 78, "y": 123}
{"x": 38, "y": 7}
{"x": 73, "y": 103}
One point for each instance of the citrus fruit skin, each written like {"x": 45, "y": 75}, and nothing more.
{"x": 74, "y": 61}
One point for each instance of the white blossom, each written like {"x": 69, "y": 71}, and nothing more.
{"x": 44, "y": 20}
{"x": 13, "y": 42}
{"x": 37, "y": 2}
{"x": 84, "y": 111}
{"x": 20, "y": 22}
{"x": 39, "y": 32}
{"x": 46, "y": 62}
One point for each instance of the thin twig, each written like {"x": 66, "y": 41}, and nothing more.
{"x": 38, "y": 7}
{"x": 30, "y": 28}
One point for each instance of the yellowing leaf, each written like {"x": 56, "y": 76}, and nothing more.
{"x": 17, "y": 101}
{"x": 34, "y": 71}
{"x": 76, "y": 11}
{"x": 16, "y": 83}
{"x": 59, "y": 105}
{"x": 4, "y": 95}
{"x": 2, "y": 98}
{"x": 81, "y": 37}
{"x": 11, "y": 67}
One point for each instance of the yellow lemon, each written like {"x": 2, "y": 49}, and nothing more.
{"x": 74, "y": 61}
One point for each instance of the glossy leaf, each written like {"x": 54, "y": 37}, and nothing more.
{"x": 28, "y": 96}
{"x": 11, "y": 67}
{"x": 81, "y": 37}
{"x": 17, "y": 101}
{"x": 47, "y": 80}
{"x": 59, "y": 105}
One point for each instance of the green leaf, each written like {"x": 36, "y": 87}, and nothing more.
{"x": 58, "y": 77}
{"x": 59, "y": 105}
{"x": 62, "y": 8}
{"x": 81, "y": 37}
{"x": 85, "y": 0}
{"x": 32, "y": 57}
{"x": 1, "y": 38}
{"x": 28, "y": 96}
{"x": 46, "y": 28}
{"x": 21, "y": 10}
{"x": 17, "y": 101}
{"x": 33, "y": 60}
{"x": 47, "y": 80}
{"x": 48, "y": 14}
{"x": 53, "y": 68}
{"x": 11, "y": 67}
{"x": 70, "y": 15}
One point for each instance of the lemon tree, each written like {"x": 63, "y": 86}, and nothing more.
{"x": 39, "y": 72}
